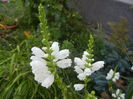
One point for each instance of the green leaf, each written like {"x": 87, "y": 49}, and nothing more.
{"x": 129, "y": 92}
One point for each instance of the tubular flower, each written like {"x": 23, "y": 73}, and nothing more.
{"x": 61, "y": 56}
{"x": 78, "y": 87}
{"x": 113, "y": 76}
{"x": 40, "y": 67}
{"x": 132, "y": 68}
{"x": 82, "y": 69}
{"x": 118, "y": 94}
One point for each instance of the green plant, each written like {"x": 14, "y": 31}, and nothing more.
{"x": 64, "y": 22}
{"x": 119, "y": 36}
{"x": 129, "y": 92}
{"x": 11, "y": 12}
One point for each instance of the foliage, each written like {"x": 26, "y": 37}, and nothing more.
{"x": 63, "y": 21}
{"x": 105, "y": 50}
{"x": 129, "y": 92}
{"x": 66, "y": 26}
{"x": 120, "y": 35}
{"x": 11, "y": 12}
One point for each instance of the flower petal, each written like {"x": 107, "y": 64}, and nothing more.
{"x": 84, "y": 57}
{"x": 37, "y": 52}
{"x": 132, "y": 68}
{"x": 81, "y": 76}
{"x": 40, "y": 77}
{"x": 78, "y": 87}
{"x": 88, "y": 71}
{"x": 55, "y": 48}
{"x": 35, "y": 58}
{"x": 123, "y": 96}
{"x": 78, "y": 69}
{"x": 108, "y": 77}
{"x": 97, "y": 65}
{"x": 113, "y": 95}
{"x": 79, "y": 62}
{"x": 62, "y": 54}
{"x": 65, "y": 63}
{"x": 37, "y": 63}
{"x": 49, "y": 80}
{"x": 117, "y": 91}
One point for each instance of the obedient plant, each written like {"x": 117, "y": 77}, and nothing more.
{"x": 118, "y": 94}
{"x": 113, "y": 76}
{"x": 41, "y": 62}
{"x": 45, "y": 61}
{"x": 85, "y": 67}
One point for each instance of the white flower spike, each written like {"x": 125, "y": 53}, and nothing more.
{"x": 113, "y": 76}
{"x": 39, "y": 63}
{"x": 81, "y": 68}
{"x": 118, "y": 94}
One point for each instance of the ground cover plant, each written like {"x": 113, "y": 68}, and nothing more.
{"x": 61, "y": 57}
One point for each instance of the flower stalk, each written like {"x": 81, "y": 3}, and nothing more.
{"x": 85, "y": 67}
{"x": 46, "y": 60}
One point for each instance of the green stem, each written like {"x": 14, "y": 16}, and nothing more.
{"x": 62, "y": 86}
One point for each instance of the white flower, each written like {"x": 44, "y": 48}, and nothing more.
{"x": 79, "y": 62}
{"x": 83, "y": 68}
{"x": 122, "y": 96}
{"x": 55, "y": 48}
{"x": 97, "y": 65}
{"x": 48, "y": 81}
{"x": 132, "y": 68}
{"x": 60, "y": 56}
{"x": 36, "y": 64}
{"x": 118, "y": 94}
{"x": 40, "y": 77}
{"x": 84, "y": 57}
{"x": 78, "y": 87}
{"x": 81, "y": 76}
{"x": 33, "y": 58}
{"x": 113, "y": 79}
{"x": 39, "y": 63}
{"x": 113, "y": 76}
{"x": 40, "y": 69}
{"x": 88, "y": 71}
{"x": 65, "y": 63}
{"x": 38, "y": 52}
{"x": 117, "y": 75}
{"x": 78, "y": 69}
{"x": 110, "y": 74}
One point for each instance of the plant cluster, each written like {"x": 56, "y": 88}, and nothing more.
{"x": 65, "y": 65}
